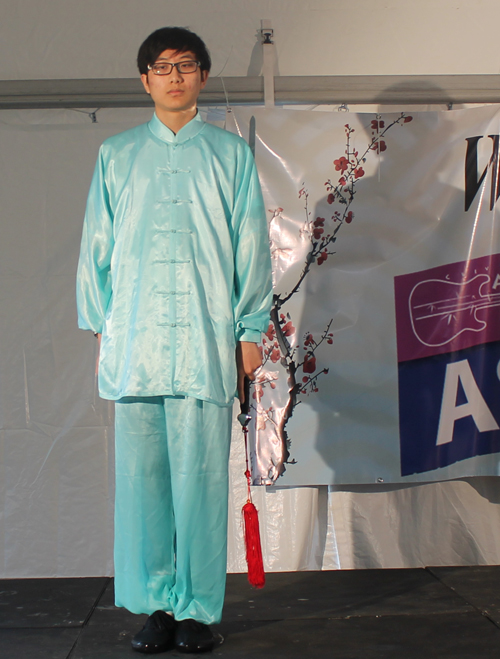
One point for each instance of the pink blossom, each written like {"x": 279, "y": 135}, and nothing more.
{"x": 349, "y": 217}
{"x": 275, "y": 355}
{"x": 331, "y": 198}
{"x": 341, "y": 164}
{"x": 359, "y": 172}
{"x": 270, "y": 332}
{"x": 288, "y": 329}
{"x": 322, "y": 257}
{"x": 309, "y": 365}
{"x": 379, "y": 147}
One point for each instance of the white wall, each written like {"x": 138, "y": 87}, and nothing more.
{"x": 100, "y": 38}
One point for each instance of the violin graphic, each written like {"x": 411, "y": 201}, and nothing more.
{"x": 441, "y": 310}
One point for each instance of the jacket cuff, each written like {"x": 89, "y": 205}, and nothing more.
{"x": 250, "y": 335}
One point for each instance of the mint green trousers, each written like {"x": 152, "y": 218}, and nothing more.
{"x": 172, "y": 456}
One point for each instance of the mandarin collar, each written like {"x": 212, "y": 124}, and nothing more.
{"x": 187, "y": 132}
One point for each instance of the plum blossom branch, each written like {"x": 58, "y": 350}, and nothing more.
{"x": 322, "y": 233}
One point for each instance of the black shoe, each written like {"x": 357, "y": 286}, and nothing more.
{"x": 157, "y": 635}
{"x": 193, "y": 636}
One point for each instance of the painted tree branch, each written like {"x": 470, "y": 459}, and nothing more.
{"x": 277, "y": 347}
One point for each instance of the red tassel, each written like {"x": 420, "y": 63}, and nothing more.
{"x": 256, "y": 575}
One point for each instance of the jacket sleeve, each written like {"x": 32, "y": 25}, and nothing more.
{"x": 252, "y": 260}
{"x": 93, "y": 288}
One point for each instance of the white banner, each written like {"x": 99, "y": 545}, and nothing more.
{"x": 382, "y": 362}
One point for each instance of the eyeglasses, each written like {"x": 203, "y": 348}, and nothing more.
{"x": 165, "y": 68}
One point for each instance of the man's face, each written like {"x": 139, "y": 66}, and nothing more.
{"x": 176, "y": 92}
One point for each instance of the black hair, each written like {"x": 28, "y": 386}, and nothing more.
{"x": 179, "y": 39}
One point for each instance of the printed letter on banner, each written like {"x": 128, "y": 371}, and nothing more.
{"x": 448, "y": 338}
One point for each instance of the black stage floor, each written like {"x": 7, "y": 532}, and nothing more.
{"x": 359, "y": 614}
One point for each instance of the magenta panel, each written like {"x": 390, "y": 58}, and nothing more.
{"x": 448, "y": 308}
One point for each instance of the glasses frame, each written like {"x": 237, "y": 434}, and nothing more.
{"x": 177, "y": 65}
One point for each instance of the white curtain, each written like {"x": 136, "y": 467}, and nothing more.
{"x": 56, "y": 438}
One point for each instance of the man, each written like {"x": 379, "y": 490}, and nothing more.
{"x": 175, "y": 274}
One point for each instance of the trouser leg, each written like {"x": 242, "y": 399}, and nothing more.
{"x": 198, "y": 436}
{"x": 171, "y": 506}
{"x": 144, "y": 522}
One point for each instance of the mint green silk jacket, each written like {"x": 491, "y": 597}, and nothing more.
{"x": 174, "y": 264}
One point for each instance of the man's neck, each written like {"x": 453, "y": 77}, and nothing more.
{"x": 176, "y": 120}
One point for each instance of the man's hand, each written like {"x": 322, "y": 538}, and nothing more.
{"x": 248, "y": 359}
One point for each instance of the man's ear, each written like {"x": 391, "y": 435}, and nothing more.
{"x": 144, "y": 80}
{"x": 204, "y": 78}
